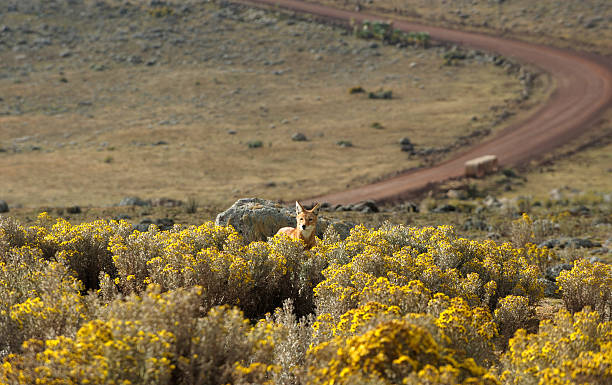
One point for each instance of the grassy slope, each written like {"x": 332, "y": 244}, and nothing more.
{"x": 93, "y": 132}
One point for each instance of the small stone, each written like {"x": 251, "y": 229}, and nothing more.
{"x": 298, "y": 137}
{"x": 405, "y": 141}
{"x": 4, "y": 208}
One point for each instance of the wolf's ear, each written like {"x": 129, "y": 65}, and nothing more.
{"x": 298, "y": 208}
{"x": 315, "y": 209}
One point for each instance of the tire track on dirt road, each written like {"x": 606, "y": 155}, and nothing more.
{"x": 583, "y": 93}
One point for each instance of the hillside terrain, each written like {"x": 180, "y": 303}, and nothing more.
{"x": 102, "y": 100}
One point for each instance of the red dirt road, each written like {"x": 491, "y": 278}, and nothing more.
{"x": 583, "y": 92}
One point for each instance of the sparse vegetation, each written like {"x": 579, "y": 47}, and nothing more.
{"x": 192, "y": 205}
{"x": 162, "y": 11}
{"x": 254, "y": 143}
{"x": 385, "y": 32}
{"x": 381, "y": 94}
{"x": 356, "y": 90}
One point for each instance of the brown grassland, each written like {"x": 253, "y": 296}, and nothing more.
{"x": 135, "y": 104}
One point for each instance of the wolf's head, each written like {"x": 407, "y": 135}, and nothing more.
{"x": 306, "y": 219}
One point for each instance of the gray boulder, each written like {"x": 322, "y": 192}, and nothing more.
{"x": 298, "y": 137}
{"x": 550, "y": 288}
{"x": 4, "y": 208}
{"x": 445, "y": 208}
{"x": 134, "y": 201}
{"x": 553, "y": 272}
{"x": 257, "y": 219}
{"x": 564, "y": 242}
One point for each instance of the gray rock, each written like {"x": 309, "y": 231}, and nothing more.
{"x": 580, "y": 210}
{"x": 408, "y": 148}
{"x": 456, "y": 194}
{"x": 134, "y": 201}
{"x": 491, "y": 201}
{"x": 556, "y": 194}
{"x": 166, "y": 202}
{"x": 368, "y": 206}
{"x": 164, "y": 224}
{"x": 73, "y": 210}
{"x": 4, "y": 208}
{"x": 597, "y": 259}
{"x": 476, "y": 224}
{"x": 405, "y": 141}
{"x": 569, "y": 242}
{"x": 593, "y": 22}
{"x": 143, "y": 225}
{"x": 298, "y": 137}
{"x": 582, "y": 242}
{"x": 550, "y": 288}
{"x": 553, "y": 271}
{"x": 445, "y": 208}
{"x": 257, "y": 219}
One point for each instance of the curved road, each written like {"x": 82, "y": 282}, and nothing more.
{"x": 583, "y": 92}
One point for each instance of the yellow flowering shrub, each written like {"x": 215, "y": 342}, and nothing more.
{"x": 159, "y": 338}
{"x": 395, "y": 305}
{"x": 480, "y": 272}
{"x": 256, "y": 277}
{"x": 38, "y": 299}
{"x": 468, "y": 331}
{"x": 394, "y": 352}
{"x": 566, "y": 350}
{"x": 512, "y": 313}
{"x": 522, "y": 231}
{"x": 587, "y": 284}
{"x": 83, "y": 248}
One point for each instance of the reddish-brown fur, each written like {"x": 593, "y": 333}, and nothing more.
{"x": 306, "y": 226}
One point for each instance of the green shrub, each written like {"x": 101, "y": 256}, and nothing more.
{"x": 381, "y": 94}
{"x": 255, "y": 144}
{"x": 356, "y": 90}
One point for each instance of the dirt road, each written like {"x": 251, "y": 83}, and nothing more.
{"x": 583, "y": 92}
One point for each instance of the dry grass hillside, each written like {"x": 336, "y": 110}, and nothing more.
{"x": 575, "y": 24}
{"x": 102, "y": 100}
